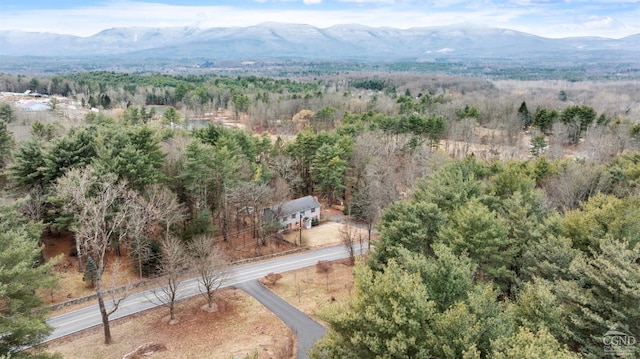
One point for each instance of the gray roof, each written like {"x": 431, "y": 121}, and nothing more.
{"x": 295, "y": 206}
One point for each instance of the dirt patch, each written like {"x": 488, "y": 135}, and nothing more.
{"x": 243, "y": 246}
{"x": 241, "y": 326}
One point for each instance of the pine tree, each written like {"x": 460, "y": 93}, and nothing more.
{"x": 6, "y": 144}
{"x": 328, "y": 170}
{"x": 406, "y": 225}
{"x": 524, "y": 115}
{"x": 530, "y": 344}
{"x": 385, "y": 318}
{"x": 20, "y": 277}
{"x": 90, "y": 272}
{"x": 474, "y": 229}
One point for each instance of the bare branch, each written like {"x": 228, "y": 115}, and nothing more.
{"x": 173, "y": 267}
{"x": 211, "y": 267}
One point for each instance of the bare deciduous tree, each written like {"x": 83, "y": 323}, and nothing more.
{"x": 376, "y": 185}
{"x": 349, "y": 237}
{"x": 164, "y": 207}
{"x": 210, "y": 265}
{"x": 138, "y": 229}
{"x": 574, "y": 183}
{"x": 462, "y": 135}
{"x": 173, "y": 267}
{"x": 251, "y": 198}
{"x": 34, "y": 207}
{"x": 102, "y": 207}
{"x": 284, "y": 167}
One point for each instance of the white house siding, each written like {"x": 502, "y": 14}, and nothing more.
{"x": 289, "y": 214}
{"x": 293, "y": 220}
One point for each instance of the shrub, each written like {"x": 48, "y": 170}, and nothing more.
{"x": 323, "y": 266}
{"x": 273, "y": 278}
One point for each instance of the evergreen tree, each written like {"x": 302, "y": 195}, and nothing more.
{"x": 448, "y": 277}
{"x": 75, "y": 150}
{"x": 578, "y": 118}
{"x": 467, "y": 112}
{"x": 329, "y": 170}
{"x": 387, "y": 317}
{"x": 90, "y": 272}
{"x": 6, "y": 144}
{"x": 170, "y": 115}
{"x": 544, "y": 119}
{"x": 227, "y": 162}
{"x": 524, "y": 115}
{"x": 197, "y": 175}
{"x": 468, "y": 327}
{"x": 133, "y": 155}
{"x": 304, "y": 150}
{"x": 603, "y": 290}
{"x": 537, "y": 308}
{"x": 476, "y": 230}
{"x": 7, "y": 115}
{"x": 531, "y": 345}
{"x": 406, "y": 225}
{"x": 452, "y": 185}
{"x": 434, "y": 128}
{"x": 21, "y": 276}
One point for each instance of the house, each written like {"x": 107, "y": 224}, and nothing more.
{"x": 294, "y": 213}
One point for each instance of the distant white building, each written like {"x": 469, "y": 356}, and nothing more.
{"x": 294, "y": 213}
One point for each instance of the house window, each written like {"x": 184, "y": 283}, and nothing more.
{"x": 293, "y": 216}
{"x": 313, "y": 210}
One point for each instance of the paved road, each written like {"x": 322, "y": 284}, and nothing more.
{"x": 88, "y": 317}
{"x": 307, "y": 330}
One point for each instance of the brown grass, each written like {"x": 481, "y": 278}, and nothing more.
{"x": 240, "y": 327}
{"x": 325, "y": 234}
{"x": 309, "y": 289}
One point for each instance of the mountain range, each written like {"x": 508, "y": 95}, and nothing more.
{"x": 343, "y": 42}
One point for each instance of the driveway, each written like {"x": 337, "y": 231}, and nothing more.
{"x": 306, "y": 330}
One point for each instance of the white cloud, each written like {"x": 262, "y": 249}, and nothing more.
{"x": 597, "y": 22}
{"x": 312, "y": 2}
{"x": 387, "y": 2}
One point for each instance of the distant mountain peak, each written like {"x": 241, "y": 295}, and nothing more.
{"x": 300, "y": 41}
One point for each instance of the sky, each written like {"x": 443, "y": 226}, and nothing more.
{"x": 547, "y": 18}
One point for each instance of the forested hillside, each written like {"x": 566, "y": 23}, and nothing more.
{"x": 507, "y": 211}
{"x": 479, "y": 262}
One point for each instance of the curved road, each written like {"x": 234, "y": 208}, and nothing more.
{"x": 81, "y": 319}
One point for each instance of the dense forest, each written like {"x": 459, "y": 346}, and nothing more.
{"x": 506, "y": 210}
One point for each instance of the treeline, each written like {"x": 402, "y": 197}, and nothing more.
{"x": 110, "y": 89}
